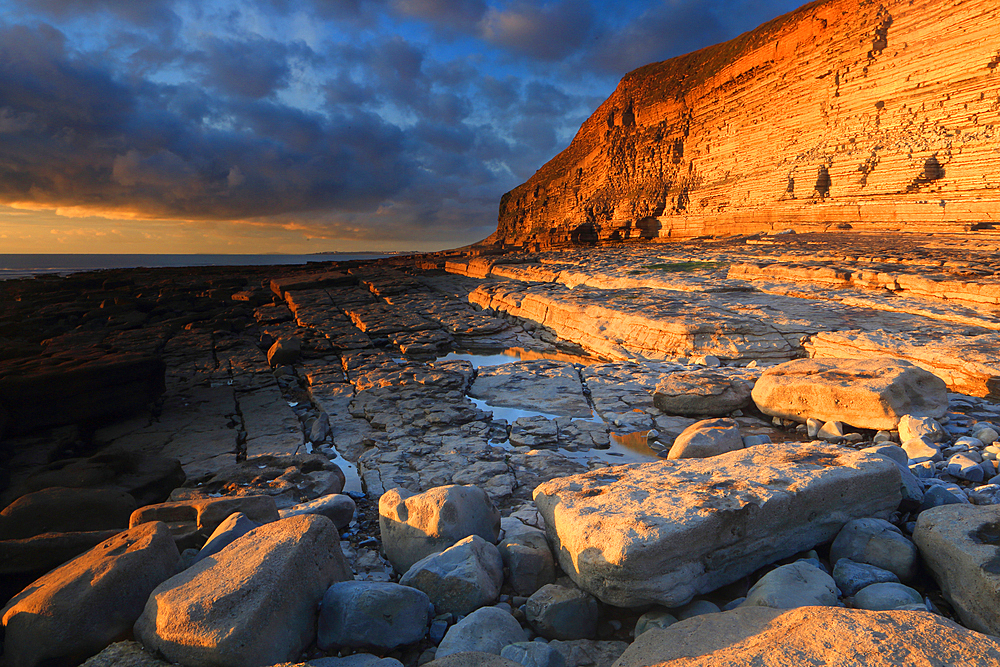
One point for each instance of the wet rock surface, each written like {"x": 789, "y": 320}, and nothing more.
{"x": 508, "y": 374}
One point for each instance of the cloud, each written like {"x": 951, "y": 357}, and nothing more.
{"x": 456, "y": 15}
{"x": 254, "y": 67}
{"x": 546, "y": 32}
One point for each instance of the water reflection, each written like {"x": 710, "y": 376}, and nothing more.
{"x": 637, "y": 442}
{"x": 512, "y": 354}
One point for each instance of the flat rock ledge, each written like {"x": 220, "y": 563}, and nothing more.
{"x": 829, "y": 636}
{"x": 666, "y": 531}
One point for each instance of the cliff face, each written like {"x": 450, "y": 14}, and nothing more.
{"x": 842, "y": 114}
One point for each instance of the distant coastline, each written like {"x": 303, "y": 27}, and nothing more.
{"x": 26, "y": 265}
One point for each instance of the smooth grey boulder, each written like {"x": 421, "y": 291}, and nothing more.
{"x": 236, "y": 525}
{"x": 589, "y": 651}
{"x": 666, "y": 531}
{"x": 696, "y": 608}
{"x": 533, "y": 654}
{"x": 920, "y": 450}
{"x": 797, "y": 584}
{"x": 369, "y": 614}
{"x": 472, "y": 659}
{"x": 879, "y": 543}
{"x": 76, "y": 610}
{"x": 486, "y": 630}
{"x": 526, "y": 557}
{"x": 337, "y": 507}
{"x": 937, "y": 495}
{"x": 852, "y": 577}
{"x": 914, "y": 426}
{"x": 708, "y": 437}
{"x": 460, "y": 579}
{"x": 707, "y": 393}
{"x": 885, "y": 596}
{"x": 416, "y": 525}
{"x": 562, "y": 612}
{"x": 865, "y": 393}
{"x": 959, "y": 545}
{"x": 253, "y": 603}
{"x": 654, "y": 619}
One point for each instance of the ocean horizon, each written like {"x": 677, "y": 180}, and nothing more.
{"x": 26, "y": 265}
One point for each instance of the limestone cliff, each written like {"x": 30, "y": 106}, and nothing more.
{"x": 843, "y": 113}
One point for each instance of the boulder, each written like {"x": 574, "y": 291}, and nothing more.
{"x": 533, "y": 654}
{"x": 562, "y": 612}
{"x": 486, "y": 630}
{"x": 41, "y": 553}
{"x": 705, "y": 393}
{"x": 337, "y": 507}
{"x": 286, "y": 350}
{"x": 145, "y": 477}
{"x": 798, "y": 584}
{"x": 885, "y": 596}
{"x": 472, "y": 659}
{"x": 865, "y": 393}
{"x": 235, "y": 526}
{"x": 852, "y": 577}
{"x": 125, "y": 654}
{"x": 879, "y": 543}
{"x": 460, "y": 579}
{"x": 369, "y": 614}
{"x": 663, "y": 532}
{"x": 526, "y": 557}
{"x": 253, "y": 603}
{"x": 709, "y": 437}
{"x": 62, "y": 510}
{"x": 192, "y": 521}
{"x": 656, "y": 618}
{"x": 958, "y": 544}
{"x": 76, "y": 610}
{"x": 416, "y": 525}
{"x": 832, "y": 636}
{"x": 589, "y": 652}
{"x": 911, "y": 426}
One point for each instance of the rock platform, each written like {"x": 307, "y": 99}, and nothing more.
{"x": 168, "y": 401}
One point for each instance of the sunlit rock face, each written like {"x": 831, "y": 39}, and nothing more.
{"x": 873, "y": 115}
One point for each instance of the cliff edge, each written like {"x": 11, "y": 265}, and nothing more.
{"x": 842, "y": 114}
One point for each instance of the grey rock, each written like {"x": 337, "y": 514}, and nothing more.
{"x": 589, "y": 652}
{"x": 696, "y": 608}
{"x": 526, "y": 556}
{"x": 885, "y": 596}
{"x": 958, "y": 544}
{"x": 937, "y": 495}
{"x": 879, "y": 543}
{"x": 376, "y": 615}
{"x": 708, "y": 437}
{"x": 911, "y": 426}
{"x": 337, "y": 507}
{"x": 852, "y": 576}
{"x": 286, "y": 350}
{"x": 416, "y": 525}
{"x": 533, "y": 654}
{"x": 561, "y": 612}
{"x": 919, "y": 450}
{"x": 485, "y": 630}
{"x": 461, "y": 578}
{"x": 234, "y": 526}
{"x": 797, "y": 584}
{"x": 701, "y": 393}
{"x": 654, "y": 619}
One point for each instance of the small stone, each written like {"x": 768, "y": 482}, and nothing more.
{"x": 709, "y": 437}
{"x": 852, "y": 576}
{"x": 654, "y": 618}
{"x": 696, "y": 608}
{"x": 754, "y": 440}
{"x": 966, "y": 467}
{"x": 533, "y": 654}
{"x": 937, "y": 495}
{"x": 813, "y": 426}
{"x": 919, "y": 450}
{"x": 882, "y": 436}
{"x": 886, "y": 596}
{"x": 486, "y": 630}
{"x": 876, "y": 542}
{"x": 920, "y": 427}
{"x": 832, "y": 431}
{"x": 561, "y": 612}
{"x": 794, "y": 585}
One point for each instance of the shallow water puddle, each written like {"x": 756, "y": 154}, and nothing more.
{"x": 511, "y": 355}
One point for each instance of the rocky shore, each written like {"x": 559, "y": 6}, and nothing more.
{"x": 768, "y": 449}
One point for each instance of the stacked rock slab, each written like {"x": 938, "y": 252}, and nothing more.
{"x": 830, "y": 636}
{"x": 864, "y": 115}
{"x": 664, "y": 532}
{"x": 866, "y": 393}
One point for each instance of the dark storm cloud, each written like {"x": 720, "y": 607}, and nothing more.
{"x": 459, "y": 15}
{"x": 75, "y": 135}
{"x": 545, "y": 32}
{"x": 254, "y": 67}
{"x": 148, "y": 13}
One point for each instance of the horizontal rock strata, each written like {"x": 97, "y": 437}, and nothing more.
{"x": 664, "y": 532}
{"x": 856, "y": 114}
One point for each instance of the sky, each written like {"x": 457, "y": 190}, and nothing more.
{"x": 299, "y": 126}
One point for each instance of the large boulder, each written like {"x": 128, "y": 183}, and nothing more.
{"x": 76, "y": 610}
{"x": 486, "y": 630}
{"x": 959, "y": 545}
{"x": 416, "y": 525}
{"x": 707, "y": 393}
{"x": 460, "y": 579}
{"x": 372, "y": 614}
{"x": 831, "y": 636}
{"x": 61, "y": 510}
{"x": 865, "y": 393}
{"x": 527, "y": 557}
{"x": 194, "y": 520}
{"x": 253, "y": 603}
{"x": 663, "y": 532}
{"x": 798, "y": 584}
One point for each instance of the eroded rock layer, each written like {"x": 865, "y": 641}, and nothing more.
{"x": 873, "y": 115}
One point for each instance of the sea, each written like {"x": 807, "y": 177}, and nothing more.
{"x": 27, "y": 265}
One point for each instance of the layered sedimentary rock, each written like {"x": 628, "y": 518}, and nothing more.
{"x": 842, "y": 113}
